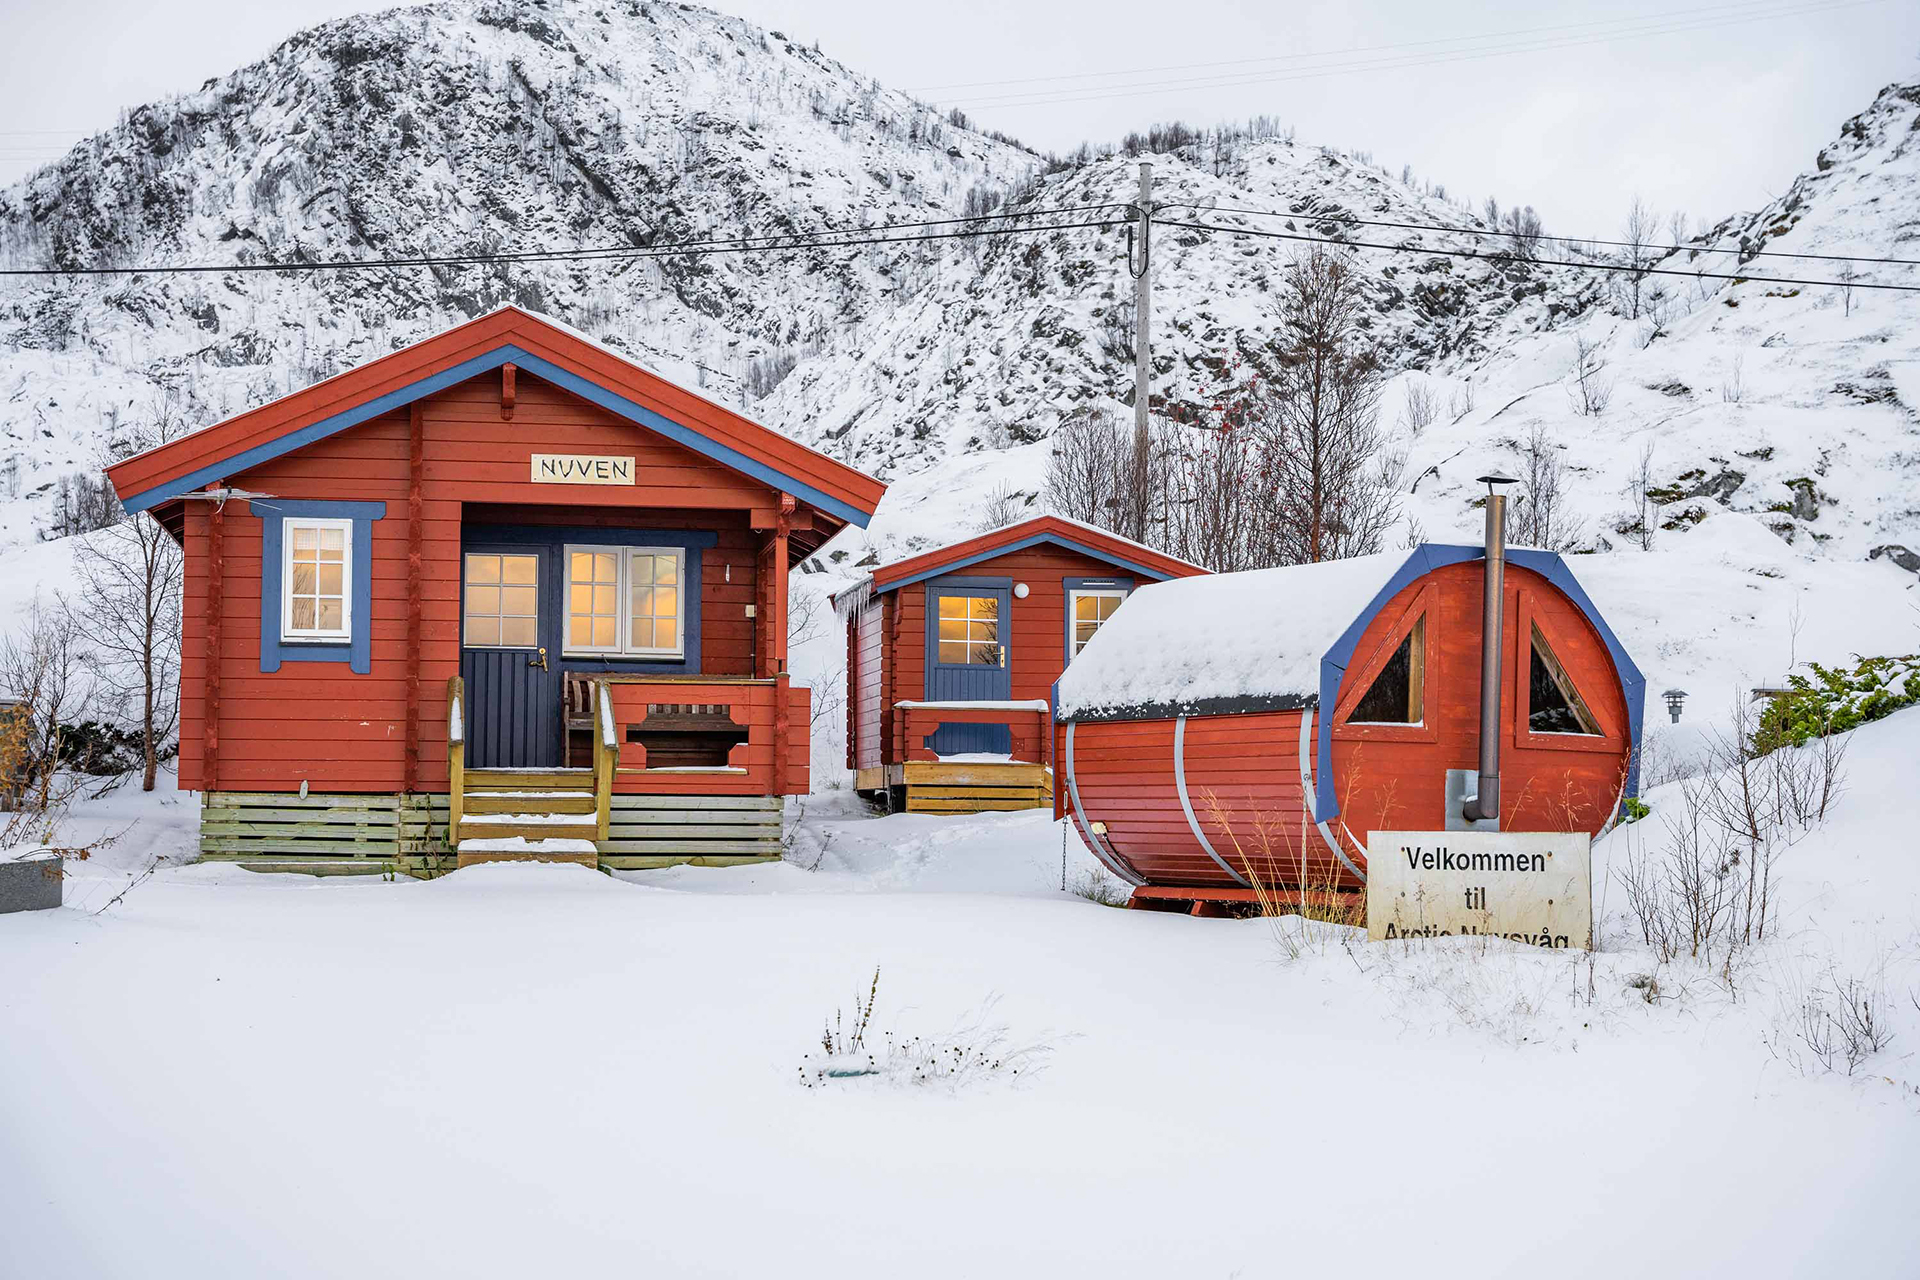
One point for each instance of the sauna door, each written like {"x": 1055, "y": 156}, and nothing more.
{"x": 510, "y": 656}
{"x": 968, "y": 632}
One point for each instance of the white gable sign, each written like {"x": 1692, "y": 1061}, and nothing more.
{"x": 1533, "y": 887}
{"x": 581, "y": 468}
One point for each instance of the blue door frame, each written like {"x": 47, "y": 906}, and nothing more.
{"x": 514, "y": 717}
{"x": 965, "y": 682}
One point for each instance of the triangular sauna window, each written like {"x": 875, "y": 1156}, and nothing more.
{"x": 1396, "y": 694}
{"x": 1553, "y": 704}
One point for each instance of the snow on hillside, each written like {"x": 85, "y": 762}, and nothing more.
{"x": 231, "y": 1071}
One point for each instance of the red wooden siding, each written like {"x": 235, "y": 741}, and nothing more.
{"x": 1037, "y": 628}
{"x": 1394, "y": 778}
{"x": 1243, "y": 771}
{"x": 317, "y": 722}
{"x": 865, "y": 695}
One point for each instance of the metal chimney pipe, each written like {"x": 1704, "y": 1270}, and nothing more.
{"x": 1484, "y": 805}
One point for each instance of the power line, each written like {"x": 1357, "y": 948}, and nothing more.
{"x": 1574, "y": 241}
{"x": 1544, "y": 45}
{"x": 1340, "y": 53}
{"x": 827, "y": 239}
{"x": 1544, "y": 262}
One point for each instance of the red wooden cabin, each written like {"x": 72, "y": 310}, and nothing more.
{"x": 952, "y": 655}
{"x": 1251, "y": 728}
{"x": 499, "y": 585}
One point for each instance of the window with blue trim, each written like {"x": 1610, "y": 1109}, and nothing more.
{"x": 316, "y": 581}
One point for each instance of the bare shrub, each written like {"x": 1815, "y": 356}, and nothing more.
{"x": 1733, "y": 388}
{"x": 44, "y": 667}
{"x": 975, "y": 1050}
{"x": 1833, "y": 1023}
{"x": 1421, "y": 407}
{"x": 1588, "y": 387}
{"x": 1708, "y": 892}
{"x": 1003, "y": 506}
{"x": 83, "y": 503}
{"x": 1460, "y": 404}
{"x": 1099, "y": 887}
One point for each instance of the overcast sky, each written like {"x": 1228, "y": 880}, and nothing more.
{"x": 1710, "y": 109}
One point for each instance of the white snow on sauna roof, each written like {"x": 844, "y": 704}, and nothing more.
{"x": 1257, "y": 634}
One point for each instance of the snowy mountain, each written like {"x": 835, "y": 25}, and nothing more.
{"x": 944, "y": 365}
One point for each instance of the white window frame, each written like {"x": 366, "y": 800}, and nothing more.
{"x": 1074, "y": 643}
{"x": 316, "y": 635}
{"x": 623, "y": 596}
{"x": 466, "y": 641}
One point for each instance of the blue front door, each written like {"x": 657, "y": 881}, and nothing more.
{"x": 969, "y": 633}
{"x": 509, "y": 656}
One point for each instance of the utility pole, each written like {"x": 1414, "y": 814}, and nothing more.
{"x": 1142, "y": 356}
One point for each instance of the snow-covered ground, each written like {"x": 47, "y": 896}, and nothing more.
{"x": 541, "y": 1069}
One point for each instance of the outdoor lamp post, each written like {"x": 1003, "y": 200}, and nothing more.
{"x": 1676, "y": 698}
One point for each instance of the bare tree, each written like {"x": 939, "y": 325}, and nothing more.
{"x": 1525, "y": 232}
{"x": 1095, "y": 475}
{"x": 132, "y": 575}
{"x": 1646, "y": 509}
{"x": 1460, "y": 404}
{"x": 1541, "y": 518}
{"x": 1641, "y": 226}
{"x": 1213, "y": 503}
{"x": 1005, "y": 505}
{"x": 1331, "y": 484}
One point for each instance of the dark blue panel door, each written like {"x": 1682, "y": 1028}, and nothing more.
{"x": 510, "y": 657}
{"x": 969, "y": 632}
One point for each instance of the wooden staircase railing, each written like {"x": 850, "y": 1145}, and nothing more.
{"x": 606, "y": 755}
{"x": 456, "y": 756}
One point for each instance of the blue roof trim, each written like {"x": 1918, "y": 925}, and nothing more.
{"x": 585, "y": 388}
{"x": 1426, "y": 559}
{"x": 1031, "y": 540}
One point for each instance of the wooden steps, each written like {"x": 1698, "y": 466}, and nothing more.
{"x": 536, "y": 815}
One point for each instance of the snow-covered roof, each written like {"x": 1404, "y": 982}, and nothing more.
{"x": 1257, "y": 635}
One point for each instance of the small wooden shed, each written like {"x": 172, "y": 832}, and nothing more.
{"x": 499, "y": 593}
{"x": 1249, "y": 729}
{"x": 952, "y": 655}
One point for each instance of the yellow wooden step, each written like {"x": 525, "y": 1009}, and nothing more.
{"x": 568, "y": 801}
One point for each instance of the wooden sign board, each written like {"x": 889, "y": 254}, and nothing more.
{"x": 581, "y": 468}
{"x": 1532, "y": 887}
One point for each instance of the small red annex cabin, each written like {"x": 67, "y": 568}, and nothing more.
{"x": 1255, "y": 726}
{"x": 952, "y": 655}
{"x": 500, "y": 592}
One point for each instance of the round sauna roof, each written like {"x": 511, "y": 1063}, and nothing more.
{"x": 1227, "y": 640}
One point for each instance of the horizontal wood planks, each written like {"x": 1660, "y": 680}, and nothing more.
{"x": 865, "y": 691}
{"x": 362, "y": 834}
{"x": 976, "y": 787}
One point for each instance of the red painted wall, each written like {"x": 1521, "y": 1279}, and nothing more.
{"x": 1243, "y": 771}
{"x": 1037, "y": 639}
{"x": 337, "y": 731}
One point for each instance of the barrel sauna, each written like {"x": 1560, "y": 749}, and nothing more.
{"x": 1247, "y": 730}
